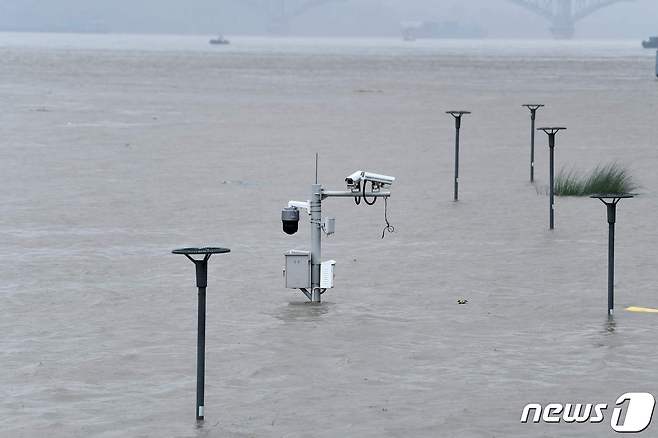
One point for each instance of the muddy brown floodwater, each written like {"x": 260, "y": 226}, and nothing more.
{"x": 117, "y": 149}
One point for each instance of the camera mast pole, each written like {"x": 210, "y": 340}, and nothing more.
{"x": 309, "y": 279}
{"x": 317, "y": 195}
{"x": 316, "y": 241}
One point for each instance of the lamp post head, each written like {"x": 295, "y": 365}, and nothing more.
{"x": 612, "y": 198}
{"x": 457, "y": 114}
{"x": 206, "y": 252}
{"x": 551, "y": 130}
{"x": 201, "y": 265}
{"x": 533, "y": 106}
{"x": 458, "y": 117}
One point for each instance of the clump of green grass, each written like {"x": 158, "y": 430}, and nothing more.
{"x": 569, "y": 183}
{"x": 610, "y": 178}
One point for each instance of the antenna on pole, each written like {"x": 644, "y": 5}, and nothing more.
{"x": 316, "y": 167}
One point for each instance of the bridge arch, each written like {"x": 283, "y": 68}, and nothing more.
{"x": 564, "y": 14}
{"x": 280, "y": 13}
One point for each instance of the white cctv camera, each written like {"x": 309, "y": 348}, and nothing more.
{"x": 355, "y": 180}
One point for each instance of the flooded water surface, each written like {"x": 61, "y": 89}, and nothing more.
{"x": 117, "y": 149}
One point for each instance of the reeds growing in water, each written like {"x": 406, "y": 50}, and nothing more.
{"x": 610, "y": 178}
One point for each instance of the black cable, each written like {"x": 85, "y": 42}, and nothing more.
{"x": 390, "y": 228}
{"x": 364, "y": 194}
{"x": 357, "y": 199}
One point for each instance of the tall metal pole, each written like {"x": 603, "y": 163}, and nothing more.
{"x": 532, "y": 146}
{"x": 201, "y": 354}
{"x": 533, "y": 116}
{"x": 316, "y": 241}
{"x": 551, "y": 171}
{"x": 201, "y": 267}
{"x": 551, "y": 147}
{"x": 458, "y": 123}
{"x": 201, "y": 283}
{"x": 611, "y": 201}
{"x": 315, "y": 208}
{"x": 612, "y": 216}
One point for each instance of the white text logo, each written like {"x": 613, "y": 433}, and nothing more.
{"x": 637, "y": 409}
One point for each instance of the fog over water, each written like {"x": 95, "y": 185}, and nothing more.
{"x": 496, "y": 18}
{"x": 117, "y": 149}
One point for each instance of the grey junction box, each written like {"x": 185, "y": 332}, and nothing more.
{"x": 298, "y": 269}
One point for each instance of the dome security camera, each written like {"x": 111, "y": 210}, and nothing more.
{"x": 290, "y": 220}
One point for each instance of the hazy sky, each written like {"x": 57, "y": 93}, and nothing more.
{"x": 498, "y": 18}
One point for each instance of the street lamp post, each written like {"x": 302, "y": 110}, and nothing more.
{"x": 611, "y": 201}
{"x": 551, "y": 131}
{"x": 533, "y": 115}
{"x": 458, "y": 123}
{"x": 201, "y": 282}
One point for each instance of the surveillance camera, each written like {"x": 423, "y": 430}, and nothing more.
{"x": 290, "y": 220}
{"x": 354, "y": 180}
{"x": 377, "y": 180}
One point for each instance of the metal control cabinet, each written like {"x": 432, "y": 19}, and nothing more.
{"x": 298, "y": 269}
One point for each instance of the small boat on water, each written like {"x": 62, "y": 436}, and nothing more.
{"x": 220, "y": 40}
{"x": 652, "y": 43}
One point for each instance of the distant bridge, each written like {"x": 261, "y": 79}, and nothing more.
{"x": 281, "y": 12}
{"x": 562, "y": 14}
